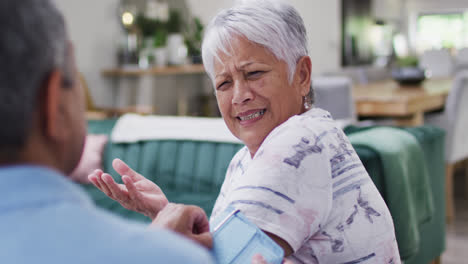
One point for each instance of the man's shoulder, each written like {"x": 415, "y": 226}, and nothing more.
{"x": 73, "y": 233}
{"x": 136, "y": 242}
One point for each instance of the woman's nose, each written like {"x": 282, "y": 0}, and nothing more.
{"x": 242, "y": 93}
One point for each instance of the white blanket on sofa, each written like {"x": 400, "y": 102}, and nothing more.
{"x": 133, "y": 128}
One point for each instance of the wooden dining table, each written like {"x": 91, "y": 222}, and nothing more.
{"x": 406, "y": 104}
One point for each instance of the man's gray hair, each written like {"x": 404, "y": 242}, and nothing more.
{"x": 33, "y": 42}
{"x": 273, "y": 24}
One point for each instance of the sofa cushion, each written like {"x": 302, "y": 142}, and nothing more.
{"x": 91, "y": 158}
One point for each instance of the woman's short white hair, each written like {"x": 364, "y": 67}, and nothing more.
{"x": 273, "y": 24}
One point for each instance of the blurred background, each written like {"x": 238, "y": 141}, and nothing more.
{"x": 344, "y": 35}
{"x": 379, "y": 62}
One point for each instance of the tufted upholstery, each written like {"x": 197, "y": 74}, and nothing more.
{"x": 190, "y": 172}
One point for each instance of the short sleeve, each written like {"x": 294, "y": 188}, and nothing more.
{"x": 220, "y": 201}
{"x": 286, "y": 188}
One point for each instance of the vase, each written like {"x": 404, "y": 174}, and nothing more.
{"x": 160, "y": 56}
{"x": 176, "y": 49}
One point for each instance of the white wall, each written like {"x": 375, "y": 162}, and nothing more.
{"x": 94, "y": 29}
{"x": 436, "y": 5}
{"x": 387, "y": 9}
{"x": 322, "y": 21}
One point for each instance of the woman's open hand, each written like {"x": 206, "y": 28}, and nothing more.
{"x": 137, "y": 193}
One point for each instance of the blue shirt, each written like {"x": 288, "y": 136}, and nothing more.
{"x": 45, "y": 218}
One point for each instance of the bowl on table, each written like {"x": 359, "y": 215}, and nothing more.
{"x": 409, "y": 75}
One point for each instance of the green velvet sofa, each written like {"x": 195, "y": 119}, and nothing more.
{"x": 192, "y": 172}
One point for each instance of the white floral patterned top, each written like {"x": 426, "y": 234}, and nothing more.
{"x": 307, "y": 185}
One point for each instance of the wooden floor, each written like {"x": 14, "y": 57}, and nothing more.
{"x": 457, "y": 233}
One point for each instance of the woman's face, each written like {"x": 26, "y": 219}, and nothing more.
{"x": 253, "y": 91}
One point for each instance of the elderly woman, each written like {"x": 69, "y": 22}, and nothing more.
{"x": 298, "y": 178}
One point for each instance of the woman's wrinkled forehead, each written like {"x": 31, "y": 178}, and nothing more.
{"x": 235, "y": 50}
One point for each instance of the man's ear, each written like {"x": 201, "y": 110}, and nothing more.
{"x": 303, "y": 73}
{"x": 52, "y": 106}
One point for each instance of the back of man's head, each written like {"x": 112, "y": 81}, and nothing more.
{"x": 33, "y": 42}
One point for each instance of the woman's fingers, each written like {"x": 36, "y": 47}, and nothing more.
{"x": 132, "y": 191}
{"x": 205, "y": 239}
{"x": 123, "y": 169}
{"x": 136, "y": 201}
{"x": 136, "y": 193}
{"x": 102, "y": 185}
{"x": 117, "y": 192}
{"x": 105, "y": 183}
{"x": 93, "y": 178}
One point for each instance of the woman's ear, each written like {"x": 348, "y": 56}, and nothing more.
{"x": 303, "y": 74}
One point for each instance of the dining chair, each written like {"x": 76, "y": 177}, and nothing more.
{"x": 439, "y": 63}
{"x": 461, "y": 59}
{"x": 454, "y": 120}
{"x": 334, "y": 94}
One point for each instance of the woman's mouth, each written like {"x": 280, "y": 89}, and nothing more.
{"x": 251, "y": 116}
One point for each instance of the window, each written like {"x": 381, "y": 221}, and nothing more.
{"x": 447, "y": 30}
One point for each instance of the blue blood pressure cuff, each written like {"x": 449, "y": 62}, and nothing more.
{"x": 237, "y": 240}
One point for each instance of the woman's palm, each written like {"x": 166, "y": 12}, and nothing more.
{"x": 136, "y": 193}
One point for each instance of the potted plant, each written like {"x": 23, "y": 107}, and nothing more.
{"x": 153, "y": 49}
{"x": 160, "y": 50}
{"x": 174, "y": 23}
{"x": 145, "y": 28}
{"x": 407, "y": 61}
{"x": 193, "y": 40}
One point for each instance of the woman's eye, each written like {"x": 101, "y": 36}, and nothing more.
{"x": 220, "y": 86}
{"x": 254, "y": 73}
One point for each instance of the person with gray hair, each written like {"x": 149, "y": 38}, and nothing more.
{"x": 44, "y": 217}
{"x": 298, "y": 178}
